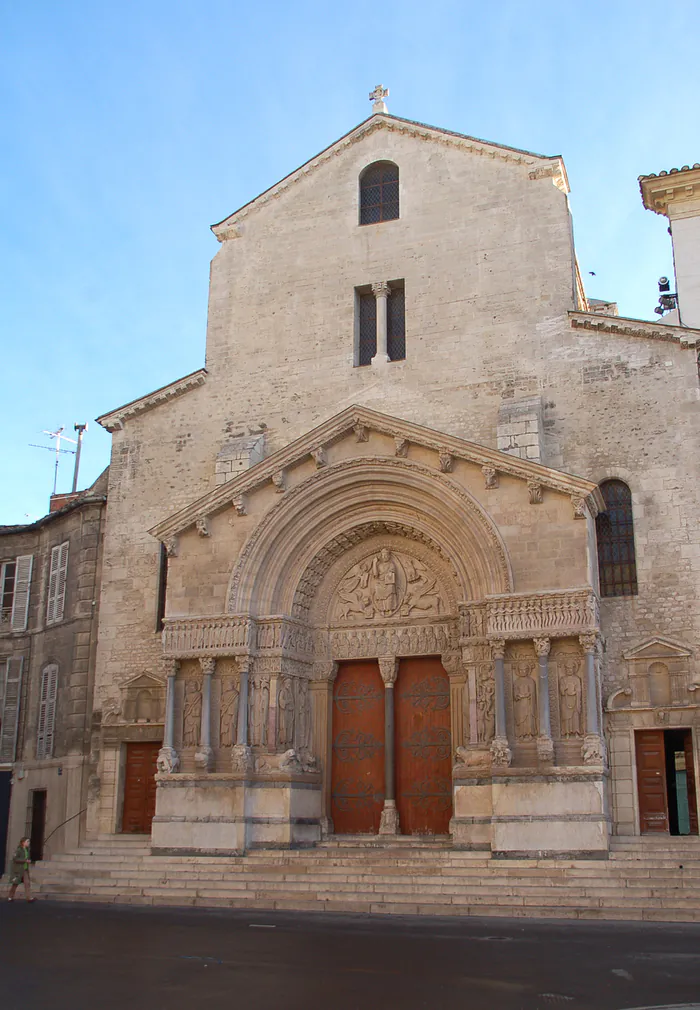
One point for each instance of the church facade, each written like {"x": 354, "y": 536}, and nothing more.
{"x": 417, "y": 551}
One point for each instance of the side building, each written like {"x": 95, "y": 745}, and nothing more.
{"x": 49, "y": 584}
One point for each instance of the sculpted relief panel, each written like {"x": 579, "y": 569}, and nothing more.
{"x": 387, "y": 584}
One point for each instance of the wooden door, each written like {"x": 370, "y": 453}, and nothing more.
{"x": 140, "y": 787}
{"x": 357, "y": 766}
{"x": 651, "y": 780}
{"x": 690, "y": 781}
{"x": 423, "y": 747}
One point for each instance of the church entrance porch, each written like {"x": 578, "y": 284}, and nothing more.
{"x": 666, "y": 782}
{"x": 391, "y": 763}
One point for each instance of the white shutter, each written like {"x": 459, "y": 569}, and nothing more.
{"x": 20, "y": 603}
{"x": 57, "y": 583}
{"x": 10, "y": 708}
{"x": 47, "y": 711}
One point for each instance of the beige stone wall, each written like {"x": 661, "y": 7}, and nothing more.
{"x": 486, "y": 257}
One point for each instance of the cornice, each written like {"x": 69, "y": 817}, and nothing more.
{"x": 357, "y": 418}
{"x": 541, "y": 166}
{"x": 680, "y": 185}
{"x": 115, "y": 419}
{"x": 682, "y": 335}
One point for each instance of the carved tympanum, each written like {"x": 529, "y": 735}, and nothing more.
{"x": 387, "y": 584}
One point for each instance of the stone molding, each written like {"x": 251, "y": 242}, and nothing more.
{"x": 553, "y": 167}
{"x": 404, "y": 433}
{"x": 116, "y": 419}
{"x": 626, "y": 327}
{"x": 678, "y": 187}
{"x": 235, "y": 635}
{"x": 481, "y": 556}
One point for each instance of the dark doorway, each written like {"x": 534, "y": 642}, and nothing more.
{"x": 5, "y": 793}
{"x": 680, "y": 782}
{"x": 357, "y": 768}
{"x": 38, "y": 825}
{"x": 666, "y": 782}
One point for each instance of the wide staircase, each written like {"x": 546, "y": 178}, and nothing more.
{"x": 646, "y": 878}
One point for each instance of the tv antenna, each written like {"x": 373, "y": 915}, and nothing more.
{"x": 56, "y": 448}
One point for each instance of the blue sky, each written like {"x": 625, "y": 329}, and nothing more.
{"x": 130, "y": 127}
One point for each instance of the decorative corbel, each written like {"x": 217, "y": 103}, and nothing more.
{"x": 319, "y": 456}
{"x": 202, "y": 526}
{"x": 446, "y": 460}
{"x": 279, "y": 480}
{"x": 579, "y": 506}
{"x": 490, "y": 477}
{"x": 240, "y": 506}
{"x": 535, "y": 491}
{"x": 171, "y": 546}
{"x": 361, "y": 432}
{"x": 401, "y": 446}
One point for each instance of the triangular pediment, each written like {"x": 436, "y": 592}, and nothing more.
{"x": 143, "y": 681}
{"x": 358, "y": 422}
{"x": 542, "y": 165}
{"x": 657, "y": 648}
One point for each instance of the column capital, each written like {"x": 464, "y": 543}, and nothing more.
{"x": 208, "y": 665}
{"x": 452, "y": 662}
{"x": 498, "y": 648}
{"x": 542, "y": 646}
{"x": 389, "y": 668}
{"x": 381, "y": 289}
{"x": 326, "y": 671}
{"x": 171, "y": 667}
{"x": 589, "y": 642}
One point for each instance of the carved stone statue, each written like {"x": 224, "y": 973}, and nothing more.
{"x": 192, "y": 714}
{"x": 228, "y": 714}
{"x": 524, "y": 699}
{"x": 421, "y": 588}
{"x": 261, "y": 708}
{"x": 354, "y": 593}
{"x": 383, "y": 583}
{"x": 485, "y": 709}
{"x": 570, "y": 697}
{"x": 167, "y": 761}
{"x": 285, "y": 710}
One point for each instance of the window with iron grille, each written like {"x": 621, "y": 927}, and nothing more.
{"x": 617, "y": 564}
{"x": 366, "y": 307}
{"x": 396, "y": 322}
{"x": 379, "y": 193}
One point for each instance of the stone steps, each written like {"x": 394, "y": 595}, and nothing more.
{"x": 639, "y": 881}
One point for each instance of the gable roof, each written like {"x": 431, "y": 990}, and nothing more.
{"x": 357, "y": 417}
{"x": 553, "y": 164}
{"x": 114, "y": 419}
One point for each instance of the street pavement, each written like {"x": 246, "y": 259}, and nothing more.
{"x": 99, "y": 957}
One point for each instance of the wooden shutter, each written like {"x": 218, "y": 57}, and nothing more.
{"x": 20, "y": 602}
{"x": 10, "y": 708}
{"x": 57, "y": 583}
{"x": 47, "y": 711}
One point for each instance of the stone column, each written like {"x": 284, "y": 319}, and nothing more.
{"x": 545, "y": 746}
{"x": 593, "y": 750}
{"x": 452, "y": 663}
{"x": 381, "y": 291}
{"x": 322, "y": 694}
{"x": 204, "y": 756}
{"x": 389, "y": 825}
{"x": 500, "y": 751}
{"x": 168, "y": 760}
{"x": 241, "y": 757}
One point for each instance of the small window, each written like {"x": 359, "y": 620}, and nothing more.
{"x": 379, "y": 193}
{"x": 57, "y": 583}
{"x": 366, "y": 305}
{"x": 162, "y": 587}
{"x": 617, "y": 564}
{"x": 396, "y": 322}
{"x": 15, "y": 583}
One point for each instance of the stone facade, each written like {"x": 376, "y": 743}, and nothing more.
{"x": 47, "y": 666}
{"x": 450, "y": 472}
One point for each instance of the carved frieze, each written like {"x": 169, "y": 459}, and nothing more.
{"x": 549, "y": 614}
{"x": 413, "y": 640}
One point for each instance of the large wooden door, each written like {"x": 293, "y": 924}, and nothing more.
{"x": 423, "y": 747}
{"x": 651, "y": 780}
{"x": 140, "y": 787}
{"x": 690, "y": 781}
{"x": 357, "y": 766}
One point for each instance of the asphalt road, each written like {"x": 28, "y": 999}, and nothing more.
{"x": 91, "y": 957}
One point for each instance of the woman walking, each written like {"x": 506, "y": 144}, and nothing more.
{"x": 20, "y": 871}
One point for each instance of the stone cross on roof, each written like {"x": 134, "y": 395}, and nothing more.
{"x": 377, "y": 96}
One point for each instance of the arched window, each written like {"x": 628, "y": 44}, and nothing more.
{"x": 379, "y": 193}
{"x": 615, "y": 531}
